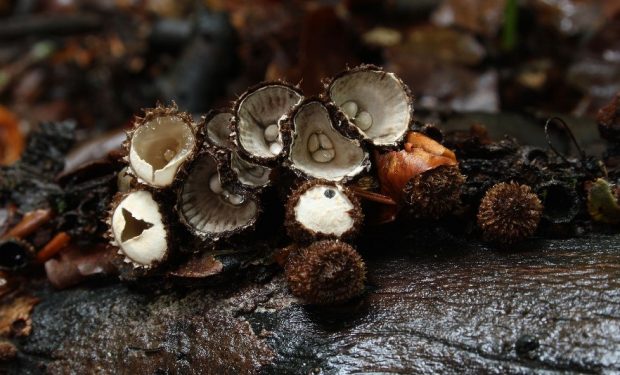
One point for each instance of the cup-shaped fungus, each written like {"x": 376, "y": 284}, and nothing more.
{"x": 323, "y": 210}
{"x": 249, "y": 174}
{"x": 160, "y": 144}
{"x": 377, "y": 104}
{"x": 216, "y": 128}
{"x": 139, "y": 229}
{"x": 256, "y": 120}
{"x": 317, "y": 149}
{"x": 210, "y": 209}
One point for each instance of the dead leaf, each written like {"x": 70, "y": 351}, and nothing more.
{"x": 15, "y": 315}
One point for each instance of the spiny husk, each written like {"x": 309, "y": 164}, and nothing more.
{"x": 509, "y": 213}
{"x": 326, "y": 272}
{"x": 301, "y": 233}
{"x": 434, "y": 193}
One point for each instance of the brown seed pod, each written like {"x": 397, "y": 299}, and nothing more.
{"x": 323, "y": 210}
{"x": 509, "y": 212}
{"x": 434, "y": 193}
{"x": 377, "y": 104}
{"x": 316, "y": 148}
{"x": 326, "y": 272}
{"x": 395, "y": 169}
{"x": 209, "y": 208}
{"x": 140, "y": 229}
{"x": 160, "y": 144}
{"x": 256, "y": 121}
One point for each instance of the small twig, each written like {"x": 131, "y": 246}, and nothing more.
{"x": 29, "y": 223}
{"x": 371, "y": 196}
{"x": 582, "y": 154}
{"x": 145, "y": 350}
{"x": 53, "y": 247}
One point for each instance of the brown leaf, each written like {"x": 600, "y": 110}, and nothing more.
{"x": 76, "y": 265}
{"x": 11, "y": 139}
{"x": 199, "y": 267}
{"x": 421, "y": 154}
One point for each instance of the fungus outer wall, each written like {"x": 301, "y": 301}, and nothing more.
{"x": 138, "y": 228}
{"x": 325, "y": 209}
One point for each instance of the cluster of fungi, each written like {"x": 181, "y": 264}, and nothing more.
{"x": 206, "y": 178}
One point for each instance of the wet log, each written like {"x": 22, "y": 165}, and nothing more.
{"x": 552, "y": 306}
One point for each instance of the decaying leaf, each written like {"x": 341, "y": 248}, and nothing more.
{"x": 15, "y": 315}
{"x": 76, "y": 265}
{"x": 8, "y": 351}
{"x": 199, "y": 267}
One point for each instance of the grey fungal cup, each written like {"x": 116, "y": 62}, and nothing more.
{"x": 318, "y": 149}
{"x": 377, "y": 104}
{"x": 217, "y": 127}
{"x": 210, "y": 209}
{"x": 257, "y": 117}
{"x": 249, "y": 174}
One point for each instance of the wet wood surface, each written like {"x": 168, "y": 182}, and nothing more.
{"x": 552, "y": 306}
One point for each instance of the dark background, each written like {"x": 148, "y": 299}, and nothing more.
{"x": 501, "y": 62}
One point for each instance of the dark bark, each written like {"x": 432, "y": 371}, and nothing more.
{"x": 552, "y": 307}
